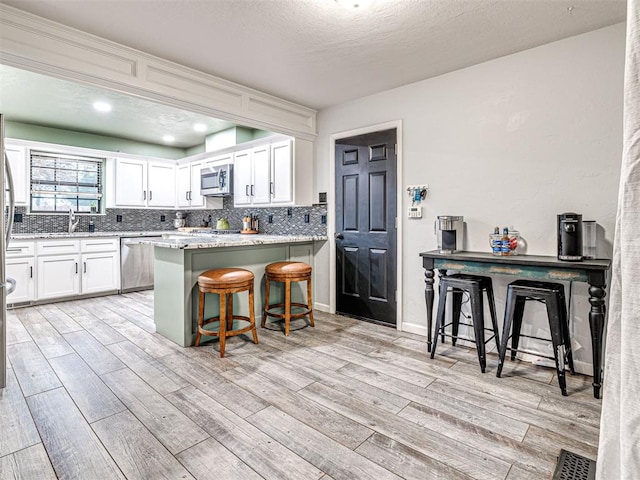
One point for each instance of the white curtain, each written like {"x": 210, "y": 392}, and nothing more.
{"x": 619, "y": 448}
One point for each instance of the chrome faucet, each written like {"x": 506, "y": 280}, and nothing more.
{"x": 72, "y": 224}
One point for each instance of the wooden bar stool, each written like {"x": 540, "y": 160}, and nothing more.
{"x": 225, "y": 282}
{"x": 287, "y": 272}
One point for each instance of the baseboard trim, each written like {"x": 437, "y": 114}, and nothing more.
{"x": 412, "y": 328}
{"x": 321, "y": 307}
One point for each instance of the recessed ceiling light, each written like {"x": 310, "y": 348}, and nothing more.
{"x": 102, "y": 106}
{"x": 200, "y": 127}
{"x": 169, "y": 138}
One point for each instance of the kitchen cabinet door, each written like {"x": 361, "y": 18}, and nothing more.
{"x": 100, "y": 272}
{"x": 19, "y": 162}
{"x": 197, "y": 200}
{"x": 131, "y": 183}
{"x": 281, "y": 173}
{"x": 261, "y": 185}
{"x": 242, "y": 178}
{"x": 183, "y": 182}
{"x": 160, "y": 185}
{"x": 21, "y": 270}
{"x": 58, "y": 276}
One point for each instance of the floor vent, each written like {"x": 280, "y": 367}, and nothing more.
{"x": 572, "y": 466}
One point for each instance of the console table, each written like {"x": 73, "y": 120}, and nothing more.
{"x": 593, "y": 272}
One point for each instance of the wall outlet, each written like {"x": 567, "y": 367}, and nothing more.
{"x": 323, "y": 219}
{"x": 17, "y": 218}
{"x": 322, "y": 197}
{"x": 289, "y": 212}
{"x": 163, "y": 218}
{"x": 118, "y": 218}
{"x": 270, "y": 219}
{"x": 306, "y": 218}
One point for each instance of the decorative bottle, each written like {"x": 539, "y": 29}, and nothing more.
{"x": 496, "y": 242}
{"x": 505, "y": 247}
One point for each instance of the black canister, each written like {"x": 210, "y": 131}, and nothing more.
{"x": 570, "y": 237}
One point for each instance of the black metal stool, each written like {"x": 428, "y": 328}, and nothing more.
{"x": 474, "y": 285}
{"x": 552, "y": 295}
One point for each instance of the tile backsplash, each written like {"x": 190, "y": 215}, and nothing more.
{"x": 302, "y": 220}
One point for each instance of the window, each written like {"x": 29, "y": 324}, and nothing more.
{"x": 60, "y": 182}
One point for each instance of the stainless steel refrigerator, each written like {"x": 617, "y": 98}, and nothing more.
{"x": 7, "y": 285}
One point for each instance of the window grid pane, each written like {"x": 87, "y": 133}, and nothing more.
{"x": 61, "y": 182}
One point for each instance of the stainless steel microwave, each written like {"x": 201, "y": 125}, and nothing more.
{"x": 216, "y": 181}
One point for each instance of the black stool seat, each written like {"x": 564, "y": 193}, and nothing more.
{"x": 473, "y": 285}
{"x": 552, "y": 295}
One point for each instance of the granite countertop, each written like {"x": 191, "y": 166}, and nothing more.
{"x": 182, "y": 240}
{"x": 40, "y": 236}
{"x": 193, "y": 241}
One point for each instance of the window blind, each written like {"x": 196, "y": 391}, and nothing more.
{"x": 60, "y": 182}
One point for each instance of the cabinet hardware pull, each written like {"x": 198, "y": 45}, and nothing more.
{"x": 76, "y": 268}
{"x": 189, "y": 195}
{"x": 186, "y": 195}
{"x": 150, "y": 194}
{"x": 252, "y": 190}
{"x": 84, "y": 270}
{"x": 144, "y": 194}
{"x": 30, "y": 272}
{"x": 271, "y": 188}
{"x": 246, "y": 190}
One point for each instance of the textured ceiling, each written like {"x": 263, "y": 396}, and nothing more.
{"x": 318, "y": 53}
{"x": 26, "y": 97}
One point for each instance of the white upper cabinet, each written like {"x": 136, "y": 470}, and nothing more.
{"x": 160, "y": 179}
{"x": 276, "y": 174}
{"x": 242, "y": 178}
{"x": 197, "y": 200}
{"x": 19, "y": 161}
{"x": 252, "y": 177}
{"x": 130, "y": 183}
{"x": 261, "y": 184}
{"x": 142, "y": 183}
{"x": 281, "y": 173}
{"x": 188, "y": 187}
{"x": 183, "y": 185}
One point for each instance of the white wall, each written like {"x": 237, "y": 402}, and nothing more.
{"x": 510, "y": 142}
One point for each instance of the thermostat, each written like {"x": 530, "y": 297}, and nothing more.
{"x": 415, "y": 212}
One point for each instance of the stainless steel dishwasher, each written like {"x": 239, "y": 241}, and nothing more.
{"x": 136, "y": 264}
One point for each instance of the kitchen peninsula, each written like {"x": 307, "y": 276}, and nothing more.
{"x": 179, "y": 259}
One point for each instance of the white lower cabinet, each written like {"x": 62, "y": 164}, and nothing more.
{"x": 20, "y": 265}
{"x": 21, "y": 270}
{"x": 58, "y": 276}
{"x": 100, "y": 272}
{"x": 70, "y": 267}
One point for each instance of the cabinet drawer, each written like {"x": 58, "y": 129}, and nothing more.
{"x": 100, "y": 245}
{"x": 56, "y": 247}
{"x": 21, "y": 249}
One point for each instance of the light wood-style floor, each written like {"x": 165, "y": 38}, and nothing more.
{"x": 94, "y": 393}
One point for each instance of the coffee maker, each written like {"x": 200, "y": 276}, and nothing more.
{"x": 449, "y": 232}
{"x": 570, "y": 237}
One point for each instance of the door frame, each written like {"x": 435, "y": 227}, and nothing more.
{"x": 331, "y": 225}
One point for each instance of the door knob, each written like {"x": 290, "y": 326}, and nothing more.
{"x": 339, "y": 236}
